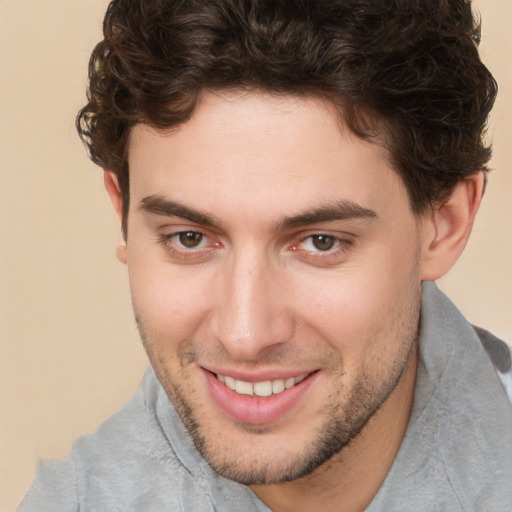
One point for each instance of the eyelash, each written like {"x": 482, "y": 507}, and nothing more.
{"x": 341, "y": 246}
{"x": 166, "y": 240}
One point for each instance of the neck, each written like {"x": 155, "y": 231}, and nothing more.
{"x": 349, "y": 481}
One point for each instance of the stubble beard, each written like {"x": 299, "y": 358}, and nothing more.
{"x": 344, "y": 421}
{"x": 346, "y": 414}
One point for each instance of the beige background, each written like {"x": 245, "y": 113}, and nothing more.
{"x": 69, "y": 351}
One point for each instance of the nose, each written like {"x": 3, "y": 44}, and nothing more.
{"x": 251, "y": 316}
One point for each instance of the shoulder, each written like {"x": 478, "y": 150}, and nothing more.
{"x": 54, "y": 488}
{"x": 500, "y": 355}
{"x": 126, "y": 460}
{"x": 139, "y": 459}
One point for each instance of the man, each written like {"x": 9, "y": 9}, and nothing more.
{"x": 290, "y": 177}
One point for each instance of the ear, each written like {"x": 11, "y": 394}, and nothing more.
{"x": 114, "y": 192}
{"x": 448, "y": 226}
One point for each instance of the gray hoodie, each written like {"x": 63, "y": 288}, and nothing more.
{"x": 456, "y": 454}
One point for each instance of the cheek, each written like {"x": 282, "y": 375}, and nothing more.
{"x": 346, "y": 308}
{"x": 170, "y": 306}
{"x": 362, "y": 312}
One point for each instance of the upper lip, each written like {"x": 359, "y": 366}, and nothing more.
{"x": 260, "y": 375}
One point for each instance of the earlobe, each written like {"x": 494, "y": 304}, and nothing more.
{"x": 448, "y": 226}
{"x": 121, "y": 251}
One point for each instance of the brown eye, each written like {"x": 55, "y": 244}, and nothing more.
{"x": 323, "y": 242}
{"x": 190, "y": 239}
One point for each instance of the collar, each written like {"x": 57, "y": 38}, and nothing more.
{"x": 457, "y": 450}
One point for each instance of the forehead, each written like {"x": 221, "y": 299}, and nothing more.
{"x": 260, "y": 149}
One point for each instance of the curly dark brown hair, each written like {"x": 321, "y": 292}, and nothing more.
{"x": 403, "y": 72}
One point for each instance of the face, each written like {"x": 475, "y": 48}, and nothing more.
{"x": 274, "y": 267}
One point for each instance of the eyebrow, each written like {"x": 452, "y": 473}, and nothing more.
{"x": 159, "y": 205}
{"x": 340, "y": 210}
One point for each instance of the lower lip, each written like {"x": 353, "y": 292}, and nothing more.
{"x": 256, "y": 410}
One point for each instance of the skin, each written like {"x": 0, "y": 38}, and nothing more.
{"x": 255, "y": 290}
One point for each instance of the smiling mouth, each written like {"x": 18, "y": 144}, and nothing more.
{"x": 261, "y": 389}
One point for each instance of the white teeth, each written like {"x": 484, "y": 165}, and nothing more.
{"x": 244, "y": 388}
{"x": 288, "y": 383}
{"x": 300, "y": 378}
{"x": 230, "y": 383}
{"x": 263, "y": 389}
{"x": 278, "y": 386}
